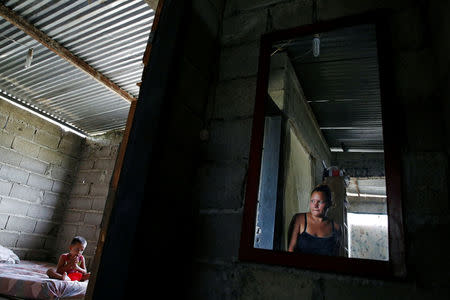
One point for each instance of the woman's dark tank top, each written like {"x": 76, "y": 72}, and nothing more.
{"x": 307, "y": 243}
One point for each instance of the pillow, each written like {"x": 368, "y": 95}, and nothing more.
{"x": 7, "y": 256}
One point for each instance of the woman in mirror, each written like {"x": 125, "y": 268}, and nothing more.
{"x": 313, "y": 232}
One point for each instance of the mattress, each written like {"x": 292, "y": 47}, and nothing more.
{"x": 29, "y": 280}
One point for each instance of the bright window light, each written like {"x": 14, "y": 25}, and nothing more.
{"x": 368, "y": 236}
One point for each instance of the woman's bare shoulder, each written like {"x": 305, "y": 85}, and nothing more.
{"x": 299, "y": 217}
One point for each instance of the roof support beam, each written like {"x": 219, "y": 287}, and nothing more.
{"x": 18, "y": 21}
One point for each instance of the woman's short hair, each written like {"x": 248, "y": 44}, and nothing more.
{"x": 325, "y": 189}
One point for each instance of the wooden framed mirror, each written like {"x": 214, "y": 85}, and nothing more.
{"x": 325, "y": 113}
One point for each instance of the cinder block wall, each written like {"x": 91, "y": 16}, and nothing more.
{"x": 84, "y": 211}
{"x": 421, "y": 68}
{"x": 37, "y": 163}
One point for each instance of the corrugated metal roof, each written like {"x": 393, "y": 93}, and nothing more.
{"x": 111, "y": 36}
{"x": 342, "y": 85}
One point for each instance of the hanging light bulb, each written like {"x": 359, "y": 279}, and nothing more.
{"x": 29, "y": 58}
{"x": 316, "y": 45}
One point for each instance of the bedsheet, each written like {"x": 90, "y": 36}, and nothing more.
{"x": 29, "y": 280}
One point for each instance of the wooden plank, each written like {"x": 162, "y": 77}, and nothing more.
{"x": 116, "y": 176}
{"x": 18, "y": 21}
{"x": 148, "y": 49}
{"x": 124, "y": 244}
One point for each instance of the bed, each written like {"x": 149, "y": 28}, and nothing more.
{"x": 28, "y": 280}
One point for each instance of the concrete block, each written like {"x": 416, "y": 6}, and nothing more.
{"x": 229, "y": 140}
{"x": 37, "y": 255}
{"x": 80, "y": 189}
{"x": 24, "y": 192}
{"x": 8, "y": 239}
{"x": 3, "y": 220}
{"x": 61, "y": 174}
{"x": 10, "y": 157}
{"x": 53, "y": 199}
{"x": 87, "y": 231}
{"x": 20, "y": 128}
{"x": 69, "y": 163}
{"x": 93, "y": 218}
{"x": 34, "y": 165}
{"x": 235, "y": 98}
{"x": 51, "y": 156}
{"x": 426, "y": 175}
{"x": 61, "y": 187}
{"x": 221, "y": 185}
{"x": 73, "y": 216}
{"x": 219, "y": 235}
{"x": 254, "y": 282}
{"x": 87, "y": 164}
{"x": 244, "y": 27}
{"x": 52, "y": 128}
{"x": 67, "y": 231}
{"x": 103, "y": 152}
{"x": 84, "y": 203}
{"x": 6, "y": 139}
{"x": 114, "y": 151}
{"x": 239, "y": 61}
{"x": 21, "y": 224}
{"x": 13, "y": 206}
{"x": 72, "y": 138}
{"x": 13, "y": 174}
{"x": 69, "y": 148}
{"x": 49, "y": 244}
{"x": 101, "y": 164}
{"x": 215, "y": 281}
{"x": 41, "y": 212}
{"x": 5, "y": 187}
{"x": 235, "y": 6}
{"x": 92, "y": 176}
{"x": 40, "y": 182}
{"x": 45, "y": 139}
{"x": 62, "y": 244}
{"x": 21, "y": 253}
{"x": 330, "y": 9}
{"x": 25, "y": 147}
{"x": 90, "y": 250}
{"x": 99, "y": 190}
{"x": 99, "y": 203}
{"x": 4, "y": 115}
{"x": 47, "y": 228}
{"x": 287, "y": 15}
{"x": 30, "y": 241}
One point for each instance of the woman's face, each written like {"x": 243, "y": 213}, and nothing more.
{"x": 318, "y": 204}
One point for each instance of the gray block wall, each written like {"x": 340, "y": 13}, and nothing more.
{"x": 37, "y": 165}
{"x": 421, "y": 68}
{"x": 83, "y": 213}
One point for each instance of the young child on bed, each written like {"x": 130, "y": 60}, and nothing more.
{"x": 71, "y": 266}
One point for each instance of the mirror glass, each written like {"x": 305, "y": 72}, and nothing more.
{"x": 323, "y": 126}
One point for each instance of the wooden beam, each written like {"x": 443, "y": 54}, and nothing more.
{"x": 116, "y": 174}
{"x": 18, "y": 21}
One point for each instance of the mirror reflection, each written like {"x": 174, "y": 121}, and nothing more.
{"x": 322, "y": 186}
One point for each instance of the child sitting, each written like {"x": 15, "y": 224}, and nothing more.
{"x": 71, "y": 266}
